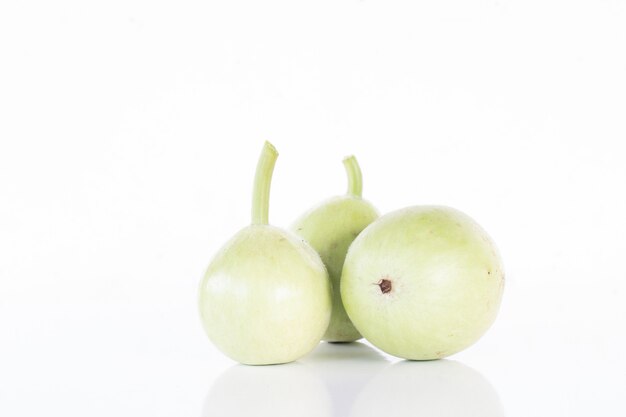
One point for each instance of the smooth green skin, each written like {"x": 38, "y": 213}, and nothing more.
{"x": 266, "y": 297}
{"x": 330, "y": 228}
{"x": 447, "y": 282}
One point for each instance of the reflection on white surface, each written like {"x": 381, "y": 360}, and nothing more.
{"x": 353, "y": 380}
{"x": 441, "y": 388}
{"x": 278, "y": 390}
{"x": 345, "y": 369}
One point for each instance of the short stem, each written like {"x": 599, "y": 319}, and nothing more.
{"x": 355, "y": 181}
{"x": 262, "y": 182}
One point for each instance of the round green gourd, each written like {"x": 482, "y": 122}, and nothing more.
{"x": 330, "y": 227}
{"x": 266, "y": 295}
{"x": 423, "y": 282}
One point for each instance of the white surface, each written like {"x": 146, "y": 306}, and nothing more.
{"x": 129, "y": 131}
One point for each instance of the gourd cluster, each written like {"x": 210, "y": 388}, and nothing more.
{"x": 422, "y": 282}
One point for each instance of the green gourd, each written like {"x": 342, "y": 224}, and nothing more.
{"x": 330, "y": 227}
{"x": 422, "y": 282}
{"x": 266, "y": 295}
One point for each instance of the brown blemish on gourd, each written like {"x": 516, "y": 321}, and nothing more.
{"x": 384, "y": 285}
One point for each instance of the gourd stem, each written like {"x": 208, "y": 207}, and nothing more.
{"x": 262, "y": 182}
{"x": 355, "y": 181}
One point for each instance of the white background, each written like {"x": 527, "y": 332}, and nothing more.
{"x": 129, "y": 134}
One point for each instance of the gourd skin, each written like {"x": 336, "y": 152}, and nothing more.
{"x": 266, "y": 297}
{"x": 446, "y": 281}
{"x": 330, "y": 228}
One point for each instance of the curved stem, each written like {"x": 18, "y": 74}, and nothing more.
{"x": 262, "y": 182}
{"x": 355, "y": 181}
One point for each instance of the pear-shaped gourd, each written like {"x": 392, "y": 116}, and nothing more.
{"x": 423, "y": 282}
{"x": 266, "y": 296}
{"x": 330, "y": 228}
